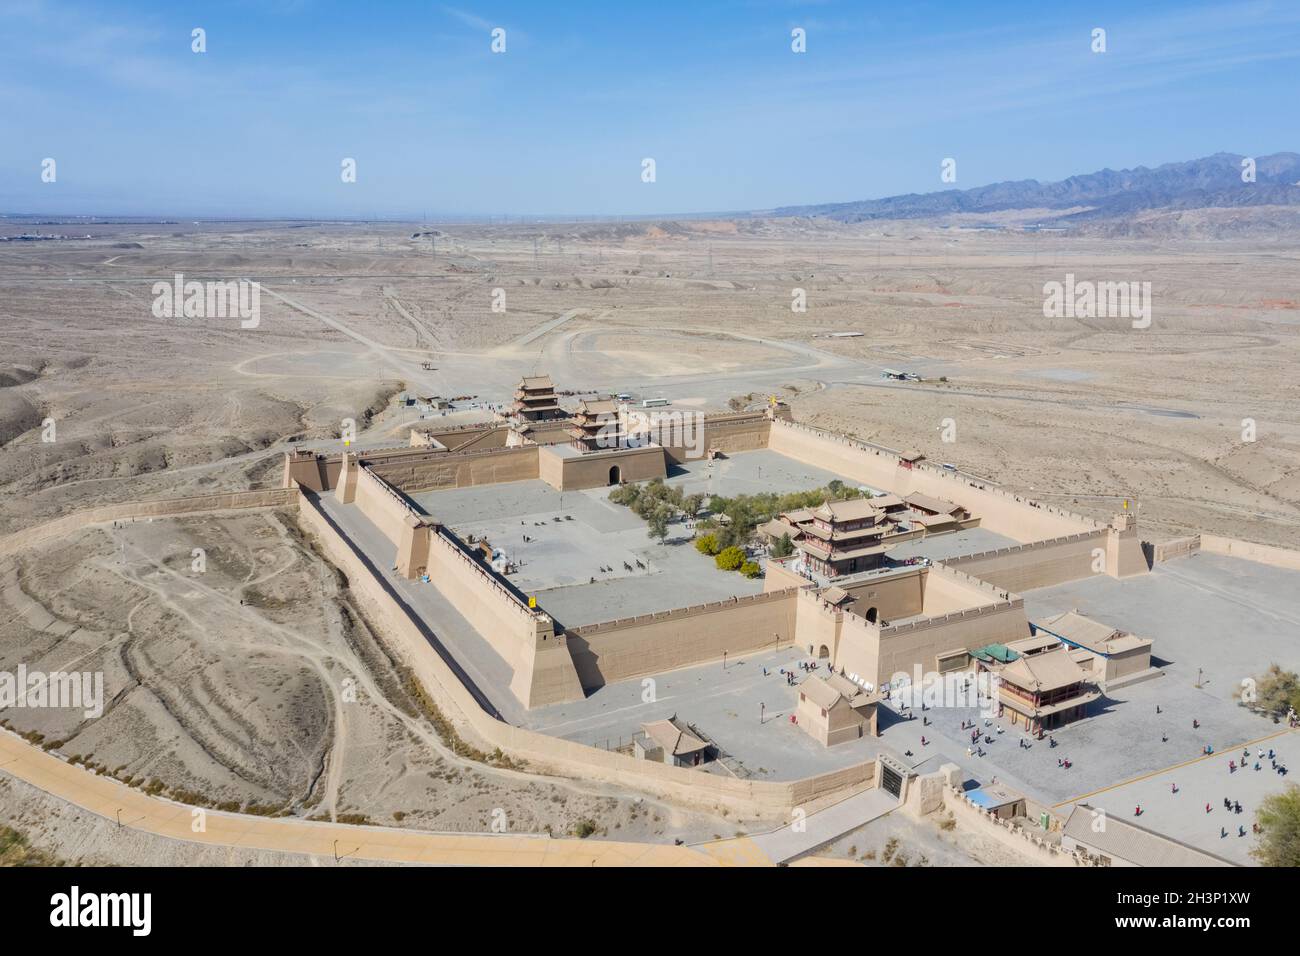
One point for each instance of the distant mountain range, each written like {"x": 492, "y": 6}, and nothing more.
{"x": 1214, "y": 182}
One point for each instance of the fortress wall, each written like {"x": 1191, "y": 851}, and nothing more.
{"x": 1248, "y": 551}
{"x": 552, "y": 754}
{"x": 817, "y": 624}
{"x": 550, "y": 468}
{"x": 653, "y": 643}
{"x": 999, "y": 511}
{"x": 810, "y": 789}
{"x": 159, "y": 508}
{"x": 777, "y": 578}
{"x": 381, "y": 505}
{"x": 738, "y": 435}
{"x": 1025, "y": 841}
{"x": 727, "y": 433}
{"x": 477, "y": 437}
{"x": 591, "y": 470}
{"x": 457, "y": 469}
{"x": 946, "y": 593}
{"x": 310, "y": 470}
{"x": 859, "y": 650}
{"x": 904, "y": 646}
{"x": 1040, "y": 564}
{"x": 481, "y": 596}
{"x": 893, "y": 596}
{"x": 493, "y": 610}
{"x": 961, "y": 612}
{"x": 546, "y": 754}
{"x": 1178, "y": 548}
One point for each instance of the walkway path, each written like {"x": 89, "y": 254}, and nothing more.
{"x": 822, "y": 827}
{"x": 113, "y": 800}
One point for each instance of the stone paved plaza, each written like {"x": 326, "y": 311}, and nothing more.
{"x": 1215, "y": 621}
{"x": 560, "y": 559}
{"x": 583, "y": 568}
{"x": 1213, "y": 618}
{"x": 726, "y": 704}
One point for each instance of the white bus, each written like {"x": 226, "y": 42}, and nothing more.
{"x": 653, "y": 402}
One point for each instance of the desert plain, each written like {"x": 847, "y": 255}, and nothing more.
{"x": 232, "y": 690}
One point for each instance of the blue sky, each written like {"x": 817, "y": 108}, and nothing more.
{"x": 559, "y": 124}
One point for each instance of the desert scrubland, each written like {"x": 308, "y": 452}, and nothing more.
{"x": 232, "y": 686}
{"x": 1084, "y": 410}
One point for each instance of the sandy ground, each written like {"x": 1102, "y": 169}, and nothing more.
{"x": 1082, "y": 411}
{"x": 256, "y": 684}
{"x": 101, "y": 401}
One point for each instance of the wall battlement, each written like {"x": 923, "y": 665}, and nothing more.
{"x": 677, "y": 613}
{"x": 965, "y": 614}
{"x": 933, "y": 471}
{"x": 1022, "y": 548}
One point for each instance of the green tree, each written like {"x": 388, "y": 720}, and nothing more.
{"x": 751, "y": 569}
{"x": 729, "y": 559}
{"x": 657, "y": 522}
{"x": 1279, "y": 816}
{"x": 706, "y": 544}
{"x": 1277, "y": 692}
{"x": 783, "y": 547}
{"x": 625, "y": 495}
